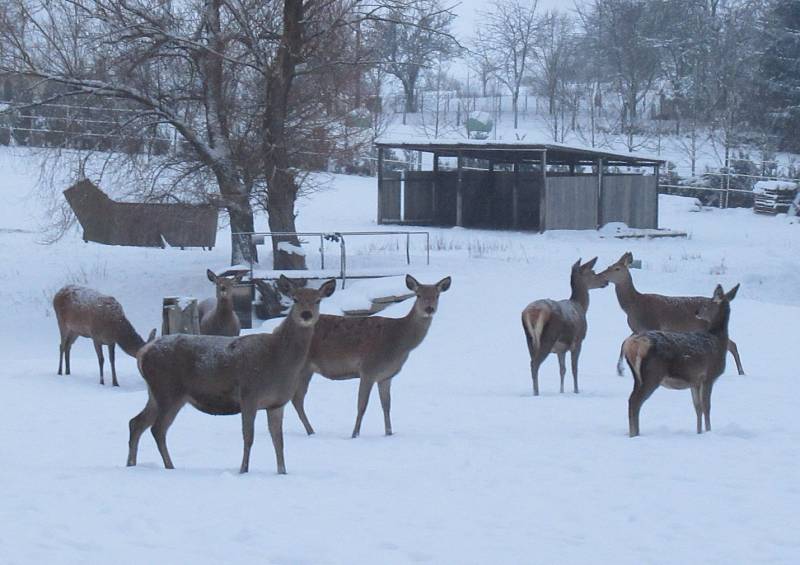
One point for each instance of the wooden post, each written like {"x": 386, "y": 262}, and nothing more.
{"x": 657, "y": 173}
{"x": 434, "y": 185}
{"x": 543, "y": 194}
{"x": 380, "y": 185}
{"x": 460, "y": 192}
{"x": 180, "y": 316}
{"x": 600, "y": 218}
{"x": 515, "y": 198}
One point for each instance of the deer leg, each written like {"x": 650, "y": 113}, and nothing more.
{"x": 641, "y": 392}
{"x": 706, "y": 392}
{"x": 385, "y": 392}
{"x": 534, "y": 364}
{"x": 298, "y": 400}
{"x": 562, "y": 368}
{"x": 275, "y": 424}
{"x": 248, "y": 432}
{"x": 67, "y": 348}
{"x": 61, "y": 353}
{"x": 164, "y": 417}
{"x": 111, "y": 354}
{"x": 364, "y": 388}
{"x": 98, "y": 349}
{"x": 138, "y": 425}
{"x": 574, "y": 354}
{"x": 735, "y": 352}
{"x": 698, "y": 408}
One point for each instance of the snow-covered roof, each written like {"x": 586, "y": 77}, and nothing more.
{"x": 486, "y": 147}
{"x": 776, "y": 185}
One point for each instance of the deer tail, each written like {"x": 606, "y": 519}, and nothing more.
{"x": 535, "y": 327}
{"x": 635, "y": 348}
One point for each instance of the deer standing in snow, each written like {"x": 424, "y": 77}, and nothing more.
{"x": 372, "y": 349}
{"x": 84, "y": 312}
{"x": 217, "y": 316}
{"x": 656, "y": 311}
{"x": 559, "y": 326}
{"x": 228, "y": 375}
{"x": 681, "y": 360}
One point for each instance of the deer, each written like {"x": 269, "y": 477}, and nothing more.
{"x": 552, "y": 326}
{"x": 217, "y": 316}
{"x": 681, "y": 360}
{"x": 223, "y": 375}
{"x": 372, "y": 349}
{"x": 656, "y": 311}
{"x": 84, "y": 312}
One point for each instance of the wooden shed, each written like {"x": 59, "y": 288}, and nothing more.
{"x": 517, "y": 185}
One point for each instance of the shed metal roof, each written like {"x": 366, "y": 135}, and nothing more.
{"x": 519, "y": 150}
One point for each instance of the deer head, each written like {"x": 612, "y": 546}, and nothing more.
{"x": 224, "y": 284}
{"x": 585, "y": 273}
{"x": 427, "y": 295}
{"x": 714, "y": 310}
{"x": 305, "y": 311}
{"x": 618, "y": 272}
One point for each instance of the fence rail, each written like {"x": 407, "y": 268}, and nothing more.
{"x": 341, "y": 238}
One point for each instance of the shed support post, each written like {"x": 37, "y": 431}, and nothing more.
{"x": 543, "y": 194}
{"x": 434, "y": 185}
{"x": 515, "y": 197}
{"x": 380, "y": 185}
{"x": 460, "y": 192}
{"x": 600, "y": 218}
{"x": 657, "y": 171}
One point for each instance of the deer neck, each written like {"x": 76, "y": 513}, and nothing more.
{"x": 294, "y": 338}
{"x": 414, "y": 328}
{"x": 225, "y": 305}
{"x": 580, "y": 292}
{"x": 128, "y": 339}
{"x": 719, "y": 326}
{"x": 627, "y": 295}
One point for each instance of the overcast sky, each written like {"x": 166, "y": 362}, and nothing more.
{"x": 467, "y": 11}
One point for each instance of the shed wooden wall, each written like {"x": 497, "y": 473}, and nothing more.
{"x": 632, "y": 199}
{"x": 571, "y": 203}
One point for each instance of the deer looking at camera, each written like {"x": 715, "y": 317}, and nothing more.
{"x": 217, "y": 316}
{"x": 681, "y": 360}
{"x": 372, "y": 349}
{"x": 656, "y": 311}
{"x": 84, "y": 312}
{"x": 559, "y": 326}
{"x": 228, "y": 375}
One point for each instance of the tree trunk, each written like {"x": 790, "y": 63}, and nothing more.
{"x": 243, "y": 251}
{"x": 411, "y": 99}
{"x": 281, "y": 183}
{"x": 515, "y": 108}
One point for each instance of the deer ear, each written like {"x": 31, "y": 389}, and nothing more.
{"x": 627, "y": 258}
{"x": 328, "y": 288}
{"x": 444, "y": 284}
{"x": 588, "y": 266}
{"x": 732, "y": 292}
{"x": 718, "y": 292}
{"x": 577, "y": 264}
{"x": 411, "y": 283}
{"x": 211, "y": 276}
{"x": 285, "y": 285}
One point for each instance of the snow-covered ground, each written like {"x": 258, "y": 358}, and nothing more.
{"x": 479, "y": 471}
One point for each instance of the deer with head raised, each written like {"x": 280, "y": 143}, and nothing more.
{"x": 372, "y": 349}
{"x": 681, "y": 360}
{"x": 552, "y": 326}
{"x": 84, "y": 312}
{"x": 656, "y": 311}
{"x": 217, "y": 316}
{"x": 222, "y": 375}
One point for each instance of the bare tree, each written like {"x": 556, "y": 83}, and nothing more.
{"x": 410, "y": 36}
{"x": 507, "y": 33}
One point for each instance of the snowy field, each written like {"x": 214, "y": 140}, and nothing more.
{"x": 478, "y": 471}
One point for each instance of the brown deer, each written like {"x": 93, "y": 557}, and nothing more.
{"x": 222, "y": 375}
{"x": 217, "y": 316}
{"x": 656, "y": 311}
{"x": 559, "y": 326}
{"x": 372, "y": 349}
{"x": 84, "y": 312}
{"x": 681, "y": 360}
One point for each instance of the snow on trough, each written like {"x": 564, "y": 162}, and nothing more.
{"x": 478, "y": 470}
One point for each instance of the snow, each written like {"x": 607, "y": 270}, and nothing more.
{"x": 478, "y": 470}
{"x": 775, "y": 185}
{"x": 288, "y": 247}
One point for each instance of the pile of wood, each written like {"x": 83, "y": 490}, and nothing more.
{"x": 773, "y": 197}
